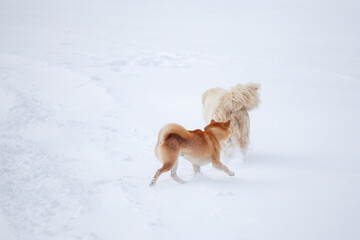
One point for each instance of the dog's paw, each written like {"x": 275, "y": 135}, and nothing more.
{"x": 152, "y": 183}
{"x": 179, "y": 180}
{"x": 230, "y": 173}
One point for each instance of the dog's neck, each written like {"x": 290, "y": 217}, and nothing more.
{"x": 213, "y": 138}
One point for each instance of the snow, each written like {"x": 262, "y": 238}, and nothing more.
{"x": 85, "y": 86}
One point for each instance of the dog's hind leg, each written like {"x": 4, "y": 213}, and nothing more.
{"x": 174, "y": 175}
{"x": 243, "y": 139}
{"x": 244, "y": 145}
{"x": 166, "y": 167}
{"x": 227, "y": 148}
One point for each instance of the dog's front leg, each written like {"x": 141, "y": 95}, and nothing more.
{"x": 215, "y": 160}
{"x": 196, "y": 169}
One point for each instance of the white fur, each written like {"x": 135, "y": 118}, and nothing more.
{"x": 222, "y": 105}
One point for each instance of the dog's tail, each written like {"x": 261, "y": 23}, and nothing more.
{"x": 175, "y": 129}
{"x": 246, "y": 96}
{"x": 167, "y": 131}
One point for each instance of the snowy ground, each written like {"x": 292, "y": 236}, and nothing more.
{"x": 85, "y": 87}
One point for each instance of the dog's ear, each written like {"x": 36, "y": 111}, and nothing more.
{"x": 227, "y": 123}
{"x": 212, "y": 121}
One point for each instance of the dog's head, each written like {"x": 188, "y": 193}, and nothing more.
{"x": 220, "y": 129}
{"x": 243, "y": 96}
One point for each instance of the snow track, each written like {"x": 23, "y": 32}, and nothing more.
{"x": 85, "y": 87}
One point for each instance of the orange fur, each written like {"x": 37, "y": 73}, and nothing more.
{"x": 199, "y": 147}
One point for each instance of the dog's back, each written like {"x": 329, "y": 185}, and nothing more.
{"x": 197, "y": 144}
{"x": 211, "y": 100}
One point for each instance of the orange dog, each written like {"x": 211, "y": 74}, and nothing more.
{"x": 199, "y": 147}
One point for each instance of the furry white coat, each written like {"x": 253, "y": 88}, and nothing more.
{"x": 234, "y": 105}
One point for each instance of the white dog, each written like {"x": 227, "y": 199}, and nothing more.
{"x": 222, "y": 105}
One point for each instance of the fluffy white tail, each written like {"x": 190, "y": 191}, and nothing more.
{"x": 246, "y": 96}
